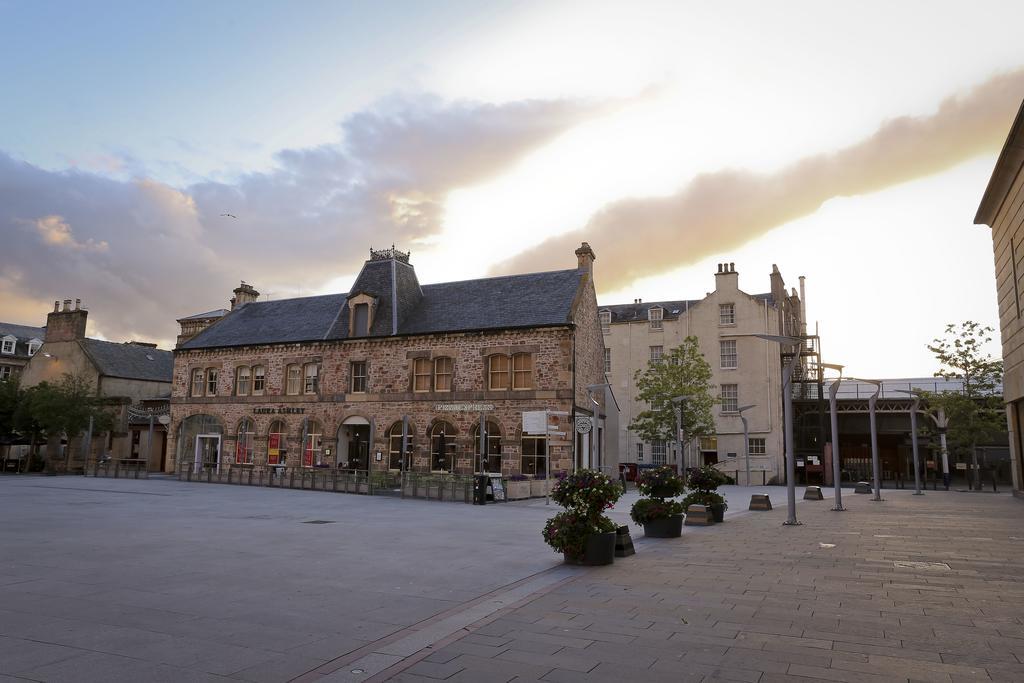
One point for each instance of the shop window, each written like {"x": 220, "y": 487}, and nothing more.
{"x": 442, "y": 447}
{"x": 277, "y": 449}
{"x": 443, "y": 374}
{"x": 311, "y": 378}
{"x": 534, "y": 455}
{"x": 492, "y": 444}
{"x": 357, "y": 370}
{"x": 243, "y": 379}
{"x": 312, "y": 446}
{"x": 293, "y": 380}
{"x": 244, "y": 442}
{"x": 522, "y": 371}
{"x": 421, "y": 374}
{"x": 497, "y": 372}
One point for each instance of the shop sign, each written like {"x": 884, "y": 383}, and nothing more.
{"x": 463, "y": 407}
{"x": 278, "y": 411}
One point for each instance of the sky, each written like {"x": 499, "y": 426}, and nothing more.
{"x": 846, "y": 142}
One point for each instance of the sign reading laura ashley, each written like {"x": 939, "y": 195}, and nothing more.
{"x": 278, "y": 411}
{"x": 463, "y": 407}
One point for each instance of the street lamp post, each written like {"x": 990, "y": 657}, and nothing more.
{"x": 787, "y": 409}
{"x": 746, "y": 437}
{"x": 833, "y": 392}
{"x": 941, "y": 424}
{"x": 875, "y": 465}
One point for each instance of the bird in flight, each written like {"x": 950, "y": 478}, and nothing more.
{"x": 230, "y": 215}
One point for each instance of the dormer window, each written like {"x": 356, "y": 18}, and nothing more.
{"x": 33, "y": 346}
{"x": 362, "y": 320}
{"x": 361, "y": 310}
{"x": 7, "y": 345}
{"x": 606, "y": 321}
{"x": 655, "y": 316}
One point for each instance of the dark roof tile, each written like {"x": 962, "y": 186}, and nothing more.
{"x": 130, "y": 361}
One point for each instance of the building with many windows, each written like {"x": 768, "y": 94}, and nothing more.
{"x": 18, "y": 343}
{"x": 343, "y": 380}
{"x": 745, "y": 369}
{"x": 1000, "y": 209}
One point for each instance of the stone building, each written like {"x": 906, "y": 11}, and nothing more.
{"x": 334, "y": 381}
{"x": 18, "y": 343}
{"x": 132, "y": 378}
{"x": 1000, "y": 209}
{"x": 746, "y": 370}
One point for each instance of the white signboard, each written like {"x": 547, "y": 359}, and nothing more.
{"x": 535, "y": 422}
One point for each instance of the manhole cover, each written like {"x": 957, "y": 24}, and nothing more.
{"x": 320, "y": 521}
{"x": 930, "y": 566}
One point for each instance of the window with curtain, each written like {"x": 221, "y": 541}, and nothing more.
{"x": 276, "y": 445}
{"x": 211, "y": 382}
{"x": 244, "y": 442}
{"x": 198, "y": 381}
{"x": 311, "y": 374}
{"x": 243, "y": 380}
{"x": 259, "y": 380}
{"x": 293, "y": 380}
{"x": 312, "y": 448}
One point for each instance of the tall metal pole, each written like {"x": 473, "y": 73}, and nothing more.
{"x": 913, "y": 441}
{"x": 483, "y": 444}
{"x": 945, "y": 457}
{"x": 875, "y": 466}
{"x": 88, "y": 442}
{"x": 787, "y": 408}
{"x": 149, "y": 455}
{"x": 833, "y": 410}
{"x": 746, "y": 445}
{"x": 679, "y": 439}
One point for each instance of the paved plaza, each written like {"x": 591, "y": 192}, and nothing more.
{"x": 160, "y": 580}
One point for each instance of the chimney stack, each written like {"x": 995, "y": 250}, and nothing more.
{"x": 244, "y": 294}
{"x": 727, "y": 279}
{"x": 64, "y": 325}
{"x": 585, "y": 258}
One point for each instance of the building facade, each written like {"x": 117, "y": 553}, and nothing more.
{"x": 18, "y": 343}
{"x": 342, "y": 381}
{"x": 133, "y": 378}
{"x": 745, "y": 369}
{"x": 1001, "y": 210}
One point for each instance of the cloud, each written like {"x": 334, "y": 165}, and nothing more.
{"x": 141, "y": 253}
{"x": 724, "y": 209}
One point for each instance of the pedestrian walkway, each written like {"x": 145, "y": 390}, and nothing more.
{"x": 915, "y": 588}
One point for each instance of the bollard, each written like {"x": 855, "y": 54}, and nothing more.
{"x": 760, "y": 501}
{"x": 623, "y": 542}
{"x": 863, "y": 487}
{"x": 813, "y": 493}
{"x": 699, "y": 515}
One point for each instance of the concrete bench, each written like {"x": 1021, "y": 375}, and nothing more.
{"x": 863, "y": 487}
{"x": 699, "y": 515}
{"x": 813, "y": 493}
{"x": 760, "y": 501}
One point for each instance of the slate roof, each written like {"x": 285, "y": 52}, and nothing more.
{"x": 514, "y": 301}
{"x": 24, "y": 334}
{"x": 130, "y": 361}
{"x": 216, "y": 313}
{"x": 624, "y": 313}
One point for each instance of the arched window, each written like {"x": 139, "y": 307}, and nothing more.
{"x": 497, "y": 372}
{"x": 312, "y": 447}
{"x": 492, "y": 444}
{"x": 311, "y": 383}
{"x": 244, "y": 442}
{"x": 442, "y": 447}
{"x": 293, "y": 380}
{"x": 395, "y": 447}
{"x": 189, "y": 432}
{"x": 534, "y": 449}
{"x": 421, "y": 374}
{"x": 276, "y": 446}
{"x": 522, "y": 371}
{"x": 243, "y": 378}
{"x": 443, "y": 374}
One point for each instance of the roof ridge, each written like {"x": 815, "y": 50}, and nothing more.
{"x": 501, "y": 277}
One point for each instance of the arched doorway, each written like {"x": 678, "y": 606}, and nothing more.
{"x": 354, "y": 444}
{"x": 199, "y": 441}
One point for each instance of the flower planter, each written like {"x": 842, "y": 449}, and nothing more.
{"x": 666, "y": 527}
{"x": 517, "y": 490}
{"x": 718, "y": 512}
{"x": 662, "y": 492}
{"x": 600, "y": 550}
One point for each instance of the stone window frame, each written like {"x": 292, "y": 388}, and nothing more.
{"x": 197, "y": 382}
{"x": 240, "y": 389}
{"x": 501, "y": 373}
{"x": 353, "y": 377}
{"x": 730, "y": 398}
{"x": 313, "y": 441}
{"x": 422, "y": 374}
{"x": 516, "y": 373}
{"x": 729, "y": 356}
{"x": 758, "y": 445}
{"x": 656, "y": 317}
{"x": 493, "y": 437}
{"x": 212, "y": 375}
{"x": 311, "y": 379}
{"x": 260, "y": 376}
{"x": 394, "y": 437}
{"x": 282, "y": 443}
{"x": 450, "y": 374}
{"x": 289, "y": 388}
{"x": 726, "y": 314}
{"x": 533, "y": 459}
{"x": 450, "y": 444}
{"x": 657, "y": 353}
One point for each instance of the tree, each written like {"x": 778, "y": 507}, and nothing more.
{"x": 64, "y": 408}
{"x": 975, "y": 414}
{"x": 683, "y": 372}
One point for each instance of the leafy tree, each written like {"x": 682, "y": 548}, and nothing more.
{"x": 976, "y": 414}
{"x": 64, "y": 408}
{"x": 683, "y": 372}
